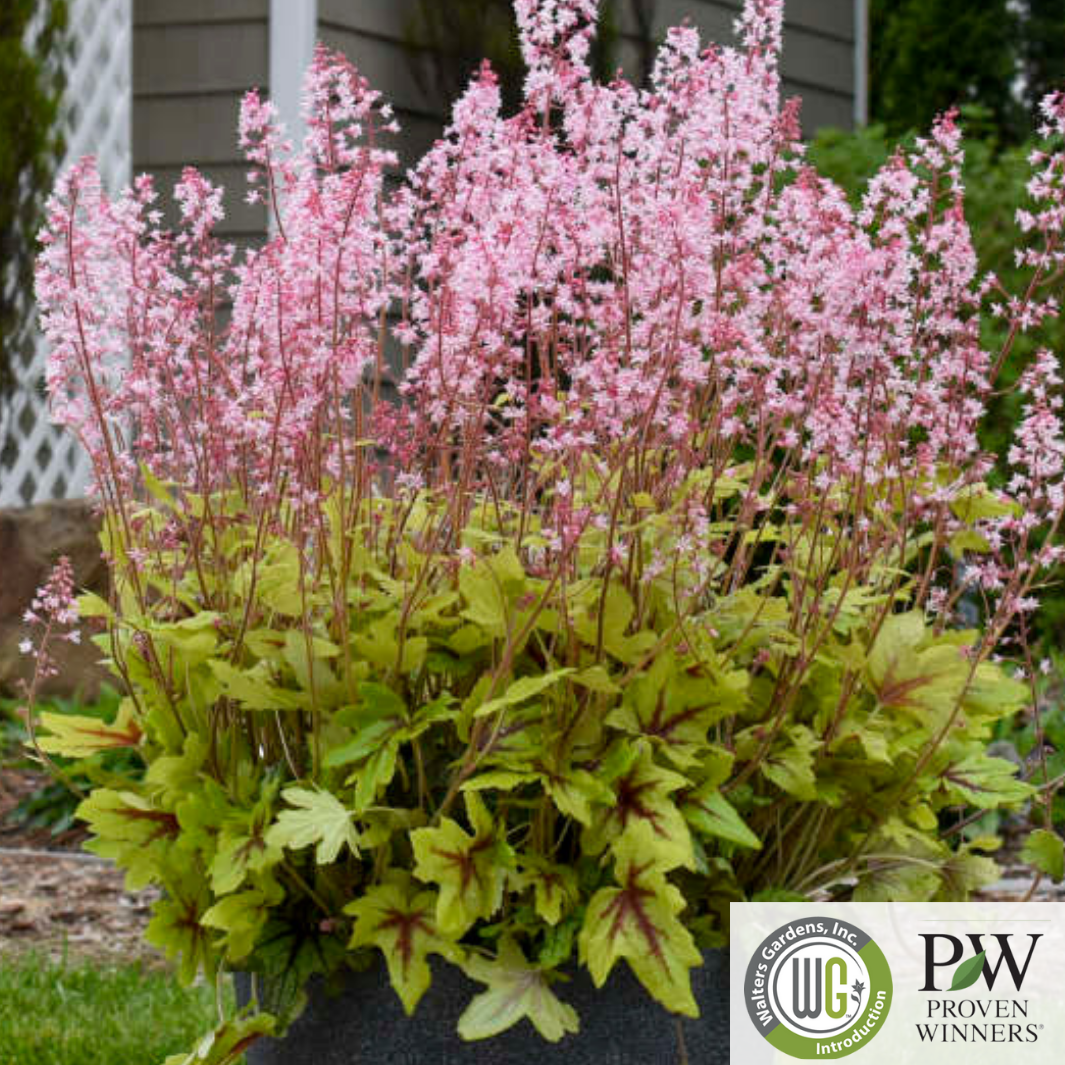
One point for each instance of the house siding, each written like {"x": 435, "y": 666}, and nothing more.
{"x": 818, "y": 63}
{"x": 193, "y": 60}
{"x": 373, "y": 35}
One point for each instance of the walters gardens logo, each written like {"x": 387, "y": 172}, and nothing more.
{"x": 1004, "y": 1018}
{"x": 818, "y": 987}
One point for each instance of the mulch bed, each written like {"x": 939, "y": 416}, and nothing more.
{"x": 55, "y": 898}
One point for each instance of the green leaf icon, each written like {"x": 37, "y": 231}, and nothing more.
{"x": 968, "y": 972}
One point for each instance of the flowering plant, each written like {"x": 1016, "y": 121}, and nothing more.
{"x": 641, "y": 596}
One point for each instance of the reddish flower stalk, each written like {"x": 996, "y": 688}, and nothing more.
{"x": 602, "y": 307}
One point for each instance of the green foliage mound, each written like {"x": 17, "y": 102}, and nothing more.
{"x": 458, "y": 755}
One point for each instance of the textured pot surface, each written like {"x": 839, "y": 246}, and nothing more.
{"x": 620, "y": 1025}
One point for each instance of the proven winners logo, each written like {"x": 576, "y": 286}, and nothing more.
{"x": 818, "y": 988}
{"x": 1003, "y": 1018}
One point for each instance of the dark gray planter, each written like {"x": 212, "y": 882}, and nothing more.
{"x": 620, "y": 1025}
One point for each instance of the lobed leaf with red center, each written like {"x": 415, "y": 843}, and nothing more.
{"x": 126, "y": 817}
{"x": 675, "y": 709}
{"x": 131, "y": 833}
{"x": 399, "y": 920}
{"x": 642, "y": 795}
{"x": 555, "y": 886}
{"x": 471, "y": 870}
{"x": 176, "y": 926}
{"x": 227, "y": 1043}
{"x": 76, "y": 736}
{"x": 638, "y": 921}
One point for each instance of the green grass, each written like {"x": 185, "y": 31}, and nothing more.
{"x": 88, "y": 1013}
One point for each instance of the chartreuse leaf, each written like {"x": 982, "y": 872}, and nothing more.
{"x": 279, "y": 581}
{"x": 516, "y": 989}
{"x": 74, "y": 736}
{"x": 643, "y": 794}
{"x": 968, "y": 972}
{"x": 522, "y": 689}
{"x": 400, "y": 920}
{"x": 968, "y": 540}
{"x": 243, "y": 850}
{"x": 1045, "y": 851}
{"x": 378, "y": 642}
{"x": 90, "y": 605}
{"x": 254, "y": 688}
{"x": 555, "y": 886}
{"x": 381, "y": 725}
{"x": 963, "y": 873}
{"x": 318, "y": 818}
{"x": 126, "y": 817}
{"x": 232, "y": 861}
{"x": 985, "y": 782}
{"x": 573, "y": 790}
{"x": 194, "y": 638}
{"x": 173, "y": 777}
{"x": 596, "y": 679}
{"x": 711, "y": 814}
{"x": 374, "y": 776}
{"x": 978, "y": 501}
{"x": 142, "y": 862}
{"x": 202, "y": 814}
{"x": 790, "y": 762}
{"x": 226, "y": 1044}
{"x": 488, "y": 588}
{"x": 175, "y": 926}
{"x": 909, "y": 672}
{"x": 576, "y": 792}
{"x": 367, "y": 741}
{"x": 904, "y": 863}
{"x": 638, "y": 921}
{"x": 618, "y": 610}
{"x": 499, "y": 780}
{"x": 994, "y": 692}
{"x": 469, "y": 869}
{"x": 243, "y": 916}
{"x": 675, "y": 710}
{"x": 157, "y": 488}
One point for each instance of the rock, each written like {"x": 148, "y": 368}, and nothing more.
{"x": 31, "y": 539}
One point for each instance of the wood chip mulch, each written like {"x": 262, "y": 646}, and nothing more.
{"x": 55, "y": 898}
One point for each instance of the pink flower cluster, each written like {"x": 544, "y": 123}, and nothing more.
{"x": 648, "y": 283}
{"x": 53, "y": 614}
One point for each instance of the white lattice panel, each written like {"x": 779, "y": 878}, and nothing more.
{"x": 38, "y": 462}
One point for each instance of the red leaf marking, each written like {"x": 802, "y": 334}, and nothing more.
{"x": 629, "y": 903}
{"x": 406, "y": 925}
